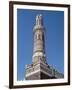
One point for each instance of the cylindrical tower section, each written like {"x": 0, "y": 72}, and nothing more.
{"x": 39, "y": 41}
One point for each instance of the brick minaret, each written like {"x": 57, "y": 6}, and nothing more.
{"x": 39, "y": 41}
{"x": 39, "y": 69}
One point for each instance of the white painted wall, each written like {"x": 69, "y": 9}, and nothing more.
{"x": 4, "y": 45}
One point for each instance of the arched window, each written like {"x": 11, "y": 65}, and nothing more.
{"x": 39, "y": 37}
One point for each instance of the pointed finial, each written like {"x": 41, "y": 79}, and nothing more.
{"x": 39, "y": 20}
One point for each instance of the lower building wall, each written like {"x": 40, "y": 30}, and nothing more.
{"x": 38, "y": 76}
{"x": 35, "y": 76}
{"x": 44, "y": 76}
{"x": 42, "y": 72}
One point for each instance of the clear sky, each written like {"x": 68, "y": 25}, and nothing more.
{"x": 54, "y": 24}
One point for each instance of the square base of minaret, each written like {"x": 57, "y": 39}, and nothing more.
{"x": 41, "y": 71}
{"x": 37, "y": 76}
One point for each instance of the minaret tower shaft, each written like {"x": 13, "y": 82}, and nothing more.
{"x": 39, "y": 41}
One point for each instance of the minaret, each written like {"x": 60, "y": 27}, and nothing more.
{"x": 39, "y": 69}
{"x": 39, "y": 41}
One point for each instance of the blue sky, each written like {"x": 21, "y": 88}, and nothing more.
{"x": 54, "y": 24}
